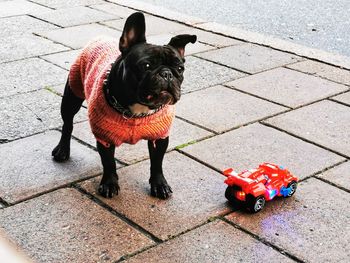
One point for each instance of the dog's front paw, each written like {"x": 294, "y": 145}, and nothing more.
{"x": 160, "y": 189}
{"x": 109, "y": 187}
{"x": 61, "y": 153}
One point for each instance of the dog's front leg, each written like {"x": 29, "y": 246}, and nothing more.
{"x": 109, "y": 184}
{"x": 159, "y": 186}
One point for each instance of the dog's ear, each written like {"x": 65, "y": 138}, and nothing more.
{"x": 133, "y": 32}
{"x": 180, "y": 41}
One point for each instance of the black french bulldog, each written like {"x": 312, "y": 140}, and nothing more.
{"x": 141, "y": 83}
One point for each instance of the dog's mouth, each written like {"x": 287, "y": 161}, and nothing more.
{"x": 156, "y": 91}
{"x": 154, "y": 101}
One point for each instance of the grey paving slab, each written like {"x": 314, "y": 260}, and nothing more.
{"x": 250, "y": 58}
{"x": 63, "y": 59}
{"x": 23, "y": 25}
{"x": 323, "y": 70}
{"x": 25, "y": 114}
{"x": 15, "y": 48}
{"x": 190, "y": 49}
{"x": 327, "y": 123}
{"x": 312, "y": 225}
{"x": 66, "y": 17}
{"x": 57, "y": 89}
{"x": 210, "y": 38}
{"x": 338, "y": 175}
{"x": 116, "y": 10}
{"x": 200, "y": 74}
{"x": 251, "y": 145}
{"x": 154, "y": 25}
{"x": 198, "y": 195}
{"x": 288, "y": 87}
{"x": 213, "y": 242}
{"x": 20, "y": 7}
{"x": 78, "y": 36}
{"x": 27, "y": 75}
{"x": 220, "y": 109}
{"x": 344, "y": 98}
{"x": 65, "y": 226}
{"x": 197, "y": 48}
{"x": 181, "y": 134}
{"x": 30, "y": 169}
{"x": 160, "y": 11}
{"x": 56, "y": 4}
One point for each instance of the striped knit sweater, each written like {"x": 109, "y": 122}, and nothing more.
{"x": 86, "y": 78}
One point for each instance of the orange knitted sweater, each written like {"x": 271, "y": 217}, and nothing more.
{"x": 86, "y": 78}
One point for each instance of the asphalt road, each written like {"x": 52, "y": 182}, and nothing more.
{"x": 321, "y": 24}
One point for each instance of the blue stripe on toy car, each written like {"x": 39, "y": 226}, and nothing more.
{"x": 272, "y": 193}
{"x": 285, "y": 191}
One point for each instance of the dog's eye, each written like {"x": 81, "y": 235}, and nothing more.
{"x": 147, "y": 66}
{"x": 180, "y": 68}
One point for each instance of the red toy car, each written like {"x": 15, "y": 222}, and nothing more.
{"x": 252, "y": 188}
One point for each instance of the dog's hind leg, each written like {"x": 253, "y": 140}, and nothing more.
{"x": 159, "y": 185}
{"x": 69, "y": 107}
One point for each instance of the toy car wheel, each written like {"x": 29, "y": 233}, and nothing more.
{"x": 293, "y": 187}
{"x": 229, "y": 193}
{"x": 230, "y": 196}
{"x": 255, "y": 204}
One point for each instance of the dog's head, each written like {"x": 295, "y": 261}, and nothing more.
{"x": 152, "y": 73}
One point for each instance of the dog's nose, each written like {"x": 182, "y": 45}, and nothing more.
{"x": 166, "y": 74}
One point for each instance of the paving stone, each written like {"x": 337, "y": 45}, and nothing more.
{"x": 116, "y": 10}
{"x": 190, "y": 48}
{"x": 57, "y": 4}
{"x": 344, "y": 98}
{"x": 288, "y": 87}
{"x": 250, "y": 58}
{"x": 78, "y": 36}
{"x": 20, "y": 7}
{"x": 58, "y": 89}
{"x": 312, "y": 225}
{"x": 200, "y": 74}
{"x": 213, "y": 242}
{"x": 65, "y": 226}
{"x": 323, "y": 70}
{"x": 27, "y": 75}
{"x": 23, "y": 25}
{"x": 338, "y": 175}
{"x": 220, "y": 108}
{"x": 198, "y": 195}
{"x": 63, "y": 59}
{"x": 160, "y": 11}
{"x": 68, "y": 16}
{"x": 181, "y": 134}
{"x": 15, "y": 48}
{"x": 154, "y": 25}
{"x": 25, "y": 114}
{"x": 327, "y": 123}
{"x": 210, "y": 38}
{"x": 249, "y": 146}
{"x": 197, "y": 48}
{"x": 30, "y": 169}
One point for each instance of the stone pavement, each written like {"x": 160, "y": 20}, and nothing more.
{"x": 243, "y": 104}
